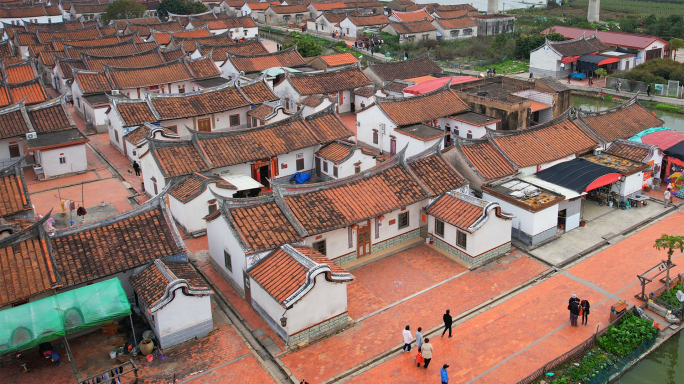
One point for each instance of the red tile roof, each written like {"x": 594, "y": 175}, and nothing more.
{"x": 50, "y": 116}
{"x": 214, "y": 100}
{"x": 258, "y": 6}
{"x": 485, "y": 159}
{"x": 26, "y": 38}
{"x": 365, "y": 21}
{"x": 411, "y": 16}
{"x": 339, "y": 59}
{"x": 413, "y": 27}
{"x": 258, "y": 92}
{"x": 92, "y": 82}
{"x": 144, "y": 29}
{"x": 164, "y": 38}
{"x": 137, "y": 60}
{"x": 66, "y": 66}
{"x": 123, "y": 23}
{"x": 192, "y": 186}
{"x": 614, "y": 38}
{"x": 543, "y": 143}
{"x": 13, "y": 122}
{"x": 631, "y": 150}
{"x": 327, "y": 126}
{"x": 289, "y": 9}
{"x": 337, "y": 151}
{"x": 444, "y": 14}
{"x": 119, "y": 49}
{"x": 328, "y": 6}
{"x": 19, "y": 73}
{"x": 190, "y": 45}
{"x": 203, "y": 68}
{"x": 119, "y": 243}
{"x": 123, "y": 78}
{"x": 289, "y": 272}
{"x": 6, "y": 49}
{"x": 435, "y": 172}
{"x": 154, "y": 283}
{"x": 408, "y": 69}
{"x": 621, "y": 122}
{"x": 456, "y": 23}
{"x": 15, "y": 194}
{"x": 134, "y": 112}
{"x": 80, "y": 9}
{"x": 285, "y": 58}
{"x": 462, "y": 211}
{"x": 173, "y": 54}
{"x": 423, "y": 108}
{"x": 141, "y": 133}
{"x": 75, "y": 34}
{"x": 220, "y": 53}
{"x": 32, "y": 90}
{"x": 22, "y": 12}
{"x": 328, "y": 82}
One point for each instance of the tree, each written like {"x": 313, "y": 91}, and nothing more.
{"x": 180, "y": 7}
{"x": 629, "y": 24}
{"x": 675, "y": 44}
{"x": 670, "y": 243}
{"x": 123, "y": 9}
{"x": 306, "y": 47}
{"x": 601, "y": 73}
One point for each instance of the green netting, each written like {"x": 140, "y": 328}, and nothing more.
{"x": 30, "y": 324}
{"x": 641, "y": 134}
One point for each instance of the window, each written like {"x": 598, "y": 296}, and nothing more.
{"x": 469, "y": 135}
{"x": 375, "y": 137}
{"x": 426, "y": 37}
{"x": 456, "y": 132}
{"x": 181, "y": 89}
{"x": 62, "y": 159}
{"x": 116, "y": 136}
{"x": 403, "y": 220}
{"x": 319, "y": 246}
{"x": 467, "y": 32}
{"x": 460, "y": 239}
{"x": 325, "y": 166}
{"x": 173, "y": 128}
{"x": 254, "y": 122}
{"x": 212, "y": 206}
{"x": 154, "y": 186}
{"x": 357, "y": 168}
{"x": 234, "y": 120}
{"x": 286, "y": 17}
{"x": 300, "y": 161}
{"x": 227, "y": 260}
{"x": 454, "y": 33}
{"x": 439, "y": 228}
{"x": 14, "y": 149}
{"x": 335, "y": 170}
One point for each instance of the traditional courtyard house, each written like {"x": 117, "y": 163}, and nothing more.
{"x": 287, "y": 147}
{"x": 62, "y": 74}
{"x": 17, "y": 202}
{"x": 326, "y": 22}
{"x": 219, "y": 53}
{"x": 643, "y": 46}
{"x": 255, "y": 10}
{"x": 251, "y": 66}
{"x": 340, "y": 159}
{"x": 232, "y": 7}
{"x": 338, "y": 85}
{"x": 175, "y": 300}
{"x": 407, "y": 17}
{"x": 164, "y": 38}
{"x": 87, "y": 11}
{"x": 40, "y": 14}
{"x": 31, "y": 92}
{"x": 469, "y": 228}
{"x": 66, "y": 260}
{"x": 383, "y": 73}
{"x": 369, "y": 212}
{"x": 456, "y": 28}
{"x": 302, "y": 286}
{"x": 351, "y": 26}
{"x": 237, "y": 27}
{"x": 124, "y": 117}
{"x": 268, "y": 112}
{"x": 394, "y": 123}
{"x": 365, "y": 96}
{"x": 284, "y": 14}
{"x": 90, "y": 91}
{"x": 317, "y": 9}
{"x": 135, "y": 141}
{"x": 365, "y": 7}
{"x": 559, "y": 58}
{"x": 314, "y": 104}
{"x": 493, "y": 24}
{"x": 334, "y": 61}
{"x": 412, "y": 31}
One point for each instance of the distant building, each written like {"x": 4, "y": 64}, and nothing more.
{"x": 493, "y": 24}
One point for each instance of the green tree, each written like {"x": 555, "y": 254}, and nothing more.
{"x": 670, "y": 243}
{"x": 180, "y": 7}
{"x": 499, "y": 42}
{"x": 629, "y": 24}
{"x": 601, "y": 73}
{"x": 123, "y": 9}
{"x": 675, "y": 44}
{"x": 306, "y": 47}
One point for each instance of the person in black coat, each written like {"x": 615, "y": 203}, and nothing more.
{"x": 585, "y": 311}
{"x": 574, "y": 313}
{"x": 447, "y": 323}
{"x": 573, "y": 299}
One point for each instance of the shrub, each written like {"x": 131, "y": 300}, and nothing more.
{"x": 670, "y": 296}
{"x": 626, "y": 337}
{"x": 666, "y": 107}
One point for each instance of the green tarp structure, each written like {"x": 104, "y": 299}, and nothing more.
{"x": 643, "y": 133}
{"x": 32, "y": 323}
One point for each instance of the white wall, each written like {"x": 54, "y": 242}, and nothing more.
{"x": 365, "y": 100}
{"x": 544, "y": 61}
{"x": 324, "y": 301}
{"x": 221, "y": 238}
{"x": 371, "y": 119}
{"x": 149, "y": 170}
{"x": 191, "y": 215}
{"x": 630, "y": 184}
{"x": 347, "y": 168}
{"x": 415, "y": 146}
{"x": 493, "y": 233}
{"x": 182, "y": 312}
{"x": 4, "y": 148}
{"x": 572, "y": 212}
{"x": 76, "y": 160}
{"x": 34, "y": 19}
{"x": 348, "y": 28}
{"x": 336, "y": 241}
{"x": 311, "y": 110}
{"x": 532, "y": 223}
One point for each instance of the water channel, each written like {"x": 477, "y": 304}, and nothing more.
{"x": 672, "y": 120}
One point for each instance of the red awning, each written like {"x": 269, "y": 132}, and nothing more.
{"x": 569, "y": 59}
{"x": 608, "y": 61}
{"x": 603, "y": 180}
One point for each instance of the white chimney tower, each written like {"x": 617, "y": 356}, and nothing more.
{"x": 594, "y": 8}
{"x": 492, "y": 6}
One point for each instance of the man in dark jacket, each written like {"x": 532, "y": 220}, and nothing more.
{"x": 574, "y": 313}
{"x": 447, "y": 323}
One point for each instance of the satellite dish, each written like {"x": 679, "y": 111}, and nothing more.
{"x": 680, "y": 295}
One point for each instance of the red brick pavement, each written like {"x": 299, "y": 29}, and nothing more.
{"x": 381, "y": 332}
{"x": 108, "y": 190}
{"x": 244, "y": 371}
{"x": 39, "y": 370}
{"x": 393, "y": 278}
{"x": 349, "y": 121}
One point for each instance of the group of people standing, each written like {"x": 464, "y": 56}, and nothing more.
{"x": 425, "y": 349}
{"x": 578, "y": 308}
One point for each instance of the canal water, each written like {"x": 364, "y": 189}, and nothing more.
{"x": 672, "y": 120}
{"x": 665, "y": 365}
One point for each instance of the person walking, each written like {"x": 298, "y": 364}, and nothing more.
{"x": 419, "y": 344}
{"x": 443, "y": 374}
{"x": 136, "y": 168}
{"x": 408, "y": 338}
{"x": 585, "y": 311}
{"x": 574, "y": 313}
{"x": 569, "y": 77}
{"x": 426, "y": 350}
{"x": 648, "y": 90}
{"x": 448, "y": 320}
{"x": 667, "y": 197}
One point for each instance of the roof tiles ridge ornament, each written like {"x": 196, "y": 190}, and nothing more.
{"x": 624, "y": 105}
{"x": 458, "y": 146}
{"x": 496, "y": 146}
{"x": 168, "y": 63}
{"x": 428, "y": 192}
{"x": 32, "y": 231}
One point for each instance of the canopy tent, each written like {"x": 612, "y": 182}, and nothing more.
{"x": 42, "y": 320}
{"x": 431, "y": 85}
{"x": 275, "y": 71}
{"x": 579, "y": 175}
{"x": 592, "y": 62}
{"x": 676, "y": 151}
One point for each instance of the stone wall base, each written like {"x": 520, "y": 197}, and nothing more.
{"x": 472, "y": 261}
{"x": 198, "y": 330}
{"x": 319, "y": 331}
{"x": 346, "y": 258}
{"x": 395, "y": 240}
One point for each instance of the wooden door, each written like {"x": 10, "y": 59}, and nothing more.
{"x": 363, "y": 241}
{"x": 248, "y": 290}
{"x": 318, "y": 166}
{"x": 393, "y": 147}
{"x": 204, "y": 125}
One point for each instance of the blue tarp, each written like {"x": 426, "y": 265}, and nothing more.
{"x": 301, "y": 178}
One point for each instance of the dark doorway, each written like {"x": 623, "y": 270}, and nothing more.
{"x": 318, "y": 166}
{"x": 248, "y": 290}
{"x": 263, "y": 175}
{"x": 14, "y": 150}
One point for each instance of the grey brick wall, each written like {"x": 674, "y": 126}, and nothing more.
{"x": 395, "y": 240}
{"x": 319, "y": 330}
{"x": 477, "y": 261}
{"x": 198, "y": 330}
{"x": 346, "y": 258}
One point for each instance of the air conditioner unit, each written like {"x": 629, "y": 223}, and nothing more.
{"x": 31, "y": 135}
{"x": 598, "y": 151}
{"x": 115, "y": 91}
